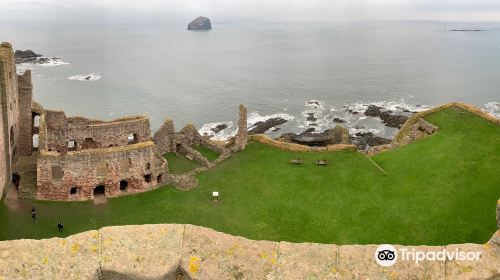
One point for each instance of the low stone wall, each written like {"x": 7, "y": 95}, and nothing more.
{"x": 176, "y": 251}
{"x": 264, "y": 139}
{"x": 414, "y": 118}
{"x": 186, "y": 150}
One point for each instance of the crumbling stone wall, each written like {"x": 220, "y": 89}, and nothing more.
{"x": 242, "y": 134}
{"x": 9, "y": 103}
{"x": 188, "y": 136}
{"x": 90, "y": 134}
{"x": 164, "y": 137}
{"x": 87, "y": 169}
{"x": 25, "y": 89}
{"x": 4, "y": 146}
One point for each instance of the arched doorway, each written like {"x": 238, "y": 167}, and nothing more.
{"x": 100, "y": 190}
{"x": 16, "y": 180}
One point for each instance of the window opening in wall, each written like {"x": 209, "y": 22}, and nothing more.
{"x": 16, "y": 179}
{"x": 123, "y": 185}
{"x": 132, "y": 138}
{"x": 71, "y": 145}
{"x": 147, "y": 178}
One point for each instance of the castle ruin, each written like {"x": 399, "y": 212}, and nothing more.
{"x": 49, "y": 156}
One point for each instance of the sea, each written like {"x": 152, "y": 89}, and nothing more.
{"x": 289, "y": 70}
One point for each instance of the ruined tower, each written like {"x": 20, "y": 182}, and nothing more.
{"x": 242, "y": 135}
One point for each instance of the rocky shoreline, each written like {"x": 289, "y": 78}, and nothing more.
{"x": 30, "y": 57}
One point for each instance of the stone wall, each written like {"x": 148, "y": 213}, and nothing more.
{"x": 9, "y": 101}
{"x": 4, "y": 136}
{"x": 25, "y": 88}
{"x": 262, "y": 138}
{"x": 87, "y": 169}
{"x": 89, "y": 134}
{"x": 164, "y": 137}
{"x": 176, "y": 251}
{"x": 414, "y": 118}
{"x": 188, "y": 136}
{"x": 242, "y": 134}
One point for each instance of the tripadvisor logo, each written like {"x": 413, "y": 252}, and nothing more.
{"x": 387, "y": 255}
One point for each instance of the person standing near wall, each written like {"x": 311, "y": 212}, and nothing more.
{"x": 33, "y": 213}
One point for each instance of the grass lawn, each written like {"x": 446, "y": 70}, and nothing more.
{"x": 178, "y": 164}
{"x": 206, "y": 152}
{"x": 442, "y": 189}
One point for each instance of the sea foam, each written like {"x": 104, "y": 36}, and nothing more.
{"x": 86, "y": 77}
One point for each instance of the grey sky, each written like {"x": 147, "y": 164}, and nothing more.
{"x": 172, "y": 11}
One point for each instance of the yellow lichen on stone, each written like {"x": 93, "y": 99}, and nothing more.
{"x": 75, "y": 248}
{"x": 466, "y": 269}
{"x": 194, "y": 264}
{"x": 232, "y": 249}
{"x": 394, "y": 275}
{"x": 94, "y": 248}
{"x": 64, "y": 242}
{"x": 45, "y": 260}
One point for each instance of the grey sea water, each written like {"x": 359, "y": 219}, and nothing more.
{"x": 201, "y": 77}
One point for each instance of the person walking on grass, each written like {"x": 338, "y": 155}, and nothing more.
{"x": 60, "y": 227}
{"x": 33, "y": 213}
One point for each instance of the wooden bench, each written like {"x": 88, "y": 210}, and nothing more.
{"x": 321, "y": 162}
{"x": 296, "y": 161}
{"x": 190, "y": 157}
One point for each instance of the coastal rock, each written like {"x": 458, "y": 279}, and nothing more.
{"x": 200, "y": 23}
{"x": 263, "y": 126}
{"x": 337, "y": 135}
{"x": 338, "y": 120}
{"x": 362, "y": 140}
{"x": 27, "y": 56}
{"x": 311, "y": 117}
{"x": 393, "y": 120}
{"x": 373, "y": 111}
{"x": 219, "y": 128}
{"x": 387, "y": 117}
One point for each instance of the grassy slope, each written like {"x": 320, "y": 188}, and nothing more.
{"x": 178, "y": 164}
{"x": 439, "y": 190}
{"x": 206, "y": 152}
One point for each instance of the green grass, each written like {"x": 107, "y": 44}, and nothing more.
{"x": 442, "y": 189}
{"x": 179, "y": 164}
{"x": 206, "y": 152}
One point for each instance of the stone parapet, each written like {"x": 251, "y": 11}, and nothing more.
{"x": 177, "y": 251}
{"x": 264, "y": 139}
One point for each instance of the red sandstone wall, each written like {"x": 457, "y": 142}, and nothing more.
{"x": 61, "y": 129}
{"x": 80, "y": 169}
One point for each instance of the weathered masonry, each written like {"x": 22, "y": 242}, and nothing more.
{"x": 47, "y": 155}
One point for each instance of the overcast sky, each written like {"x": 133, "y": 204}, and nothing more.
{"x": 174, "y": 11}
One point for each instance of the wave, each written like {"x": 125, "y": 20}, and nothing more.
{"x": 255, "y": 117}
{"x": 50, "y": 61}
{"x": 214, "y": 131}
{"x": 492, "y": 108}
{"x": 86, "y": 77}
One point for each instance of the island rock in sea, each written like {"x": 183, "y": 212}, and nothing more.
{"x": 200, "y": 23}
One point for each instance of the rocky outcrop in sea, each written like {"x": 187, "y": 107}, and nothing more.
{"x": 389, "y": 119}
{"x": 27, "y": 56}
{"x": 201, "y": 24}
